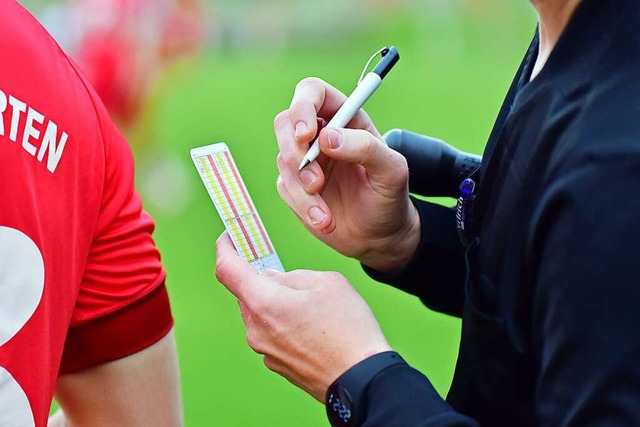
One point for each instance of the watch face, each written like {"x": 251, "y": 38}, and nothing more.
{"x": 339, "y": 406}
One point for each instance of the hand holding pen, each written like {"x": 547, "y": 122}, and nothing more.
{"x": 366, "y": 86}
{"x": 355, "y": 198}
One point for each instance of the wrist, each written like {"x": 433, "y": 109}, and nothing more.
{"x": 345, "y": 400}
{"x": 394, "y": 253}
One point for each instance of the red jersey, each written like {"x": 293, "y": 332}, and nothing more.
{"x": 80, "y": 277}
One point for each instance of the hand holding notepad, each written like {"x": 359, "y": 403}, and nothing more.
{"x": 235, "y": 207}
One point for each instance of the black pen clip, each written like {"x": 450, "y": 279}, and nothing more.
{"x": 389, "y": 55}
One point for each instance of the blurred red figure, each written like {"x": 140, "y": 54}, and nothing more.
{"x": 184, "y": 29}
{"x": 123, "y": 45}
{"x": 111, "y": 67}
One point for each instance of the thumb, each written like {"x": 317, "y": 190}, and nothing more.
{"x": 361, "y": 147}
{"x": 233, "y": 271}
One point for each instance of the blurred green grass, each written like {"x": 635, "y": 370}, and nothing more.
{"x": 449, "y": 83}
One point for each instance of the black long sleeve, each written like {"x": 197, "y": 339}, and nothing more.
{"x": 436, "y": 272}
{"x": 401, "y": 396}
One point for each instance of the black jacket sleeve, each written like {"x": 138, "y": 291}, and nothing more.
{"x": 400, "y": 396}
{"x": 437, "y": 271}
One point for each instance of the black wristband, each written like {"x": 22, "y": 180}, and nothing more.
{"x": 346, "y": 397}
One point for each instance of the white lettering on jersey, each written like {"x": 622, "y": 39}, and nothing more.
{"x": 51, "y": 144}
{"x": 30, "y": 131}
{"x": 3, "y": 108}
{"x": 19, "y": 107}
{"x": 55, "y": 148}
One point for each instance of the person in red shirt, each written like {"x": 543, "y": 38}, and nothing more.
{"x": 84, "y": 312}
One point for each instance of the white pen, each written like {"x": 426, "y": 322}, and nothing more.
{"x": 356, "y": 100}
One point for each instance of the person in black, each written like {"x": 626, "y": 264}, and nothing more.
{"x": 546, "y": 285}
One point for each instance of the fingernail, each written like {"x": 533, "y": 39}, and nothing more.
{"x": 301, "y": 128}
{"x": 317, "y": 215}
{"x": 335, "y": 138}
{"x": 307, "y": 177}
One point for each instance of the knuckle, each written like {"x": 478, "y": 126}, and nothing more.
{"x": 312, "y": 275}
{"x": 285, "y": 159}
{"x": 283, "y": 162}
{"x": 220, "y": 271}
{"x": 403, "y": 169}
{"x": 282, "y": 190}
{"x": 257, "y": 303}
{"x": 253, "y": 340}
{"x": 281, "y": 119}
{"x": 270, "y": 364}
{"x": 401, "y": 160}
{"x": 400, "y": 166}
{"x": 335, "y": 277}
{"x": 309, "y": 82}
{"x": 299, "y": 275}
{"x": 367, "y": 124}
{"x": 296, "y": 109}
{"x": 335, "y": 282}
{"x": 253, "y": 304}
{"x": 369, "y": 144}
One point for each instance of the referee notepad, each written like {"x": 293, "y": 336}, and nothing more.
{"x": 234, "y": 205}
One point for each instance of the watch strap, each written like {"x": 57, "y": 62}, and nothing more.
{"x": 346, "y": 397}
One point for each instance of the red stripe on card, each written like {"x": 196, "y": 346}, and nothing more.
{"x": 232, "y": 205}
{"x": 248, "y": 202}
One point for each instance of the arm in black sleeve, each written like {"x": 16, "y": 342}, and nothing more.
{"x": 584, "y": 258}
{"x": 400, "y": 396}
{"x": 436, "y": 273}
{"x": 383, "y": 391}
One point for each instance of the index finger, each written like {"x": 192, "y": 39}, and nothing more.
{"x": 233, "y": 271}
{"x": 314, "y": 98}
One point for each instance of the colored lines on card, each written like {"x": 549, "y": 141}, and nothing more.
{"x": 231, "y": 199}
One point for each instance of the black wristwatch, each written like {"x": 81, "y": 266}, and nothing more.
{"x": 346, "y": 397}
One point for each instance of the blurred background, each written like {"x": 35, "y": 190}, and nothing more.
{"x": 177, "y": 74}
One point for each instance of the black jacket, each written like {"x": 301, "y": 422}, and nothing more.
{"x": 550, "y": 298}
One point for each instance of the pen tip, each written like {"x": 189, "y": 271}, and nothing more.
{"x": 304, "y": 164}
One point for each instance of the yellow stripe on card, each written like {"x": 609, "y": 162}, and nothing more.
{"x": 222, "y": 204}
{"x": 241, "y": 204}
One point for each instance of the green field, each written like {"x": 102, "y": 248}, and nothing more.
{"x": 449, "y": 84}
